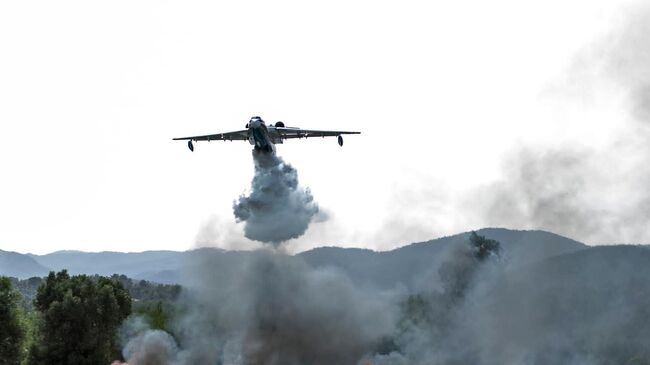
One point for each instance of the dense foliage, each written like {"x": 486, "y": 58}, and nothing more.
{"x": 79, "y": 318}
{"x": 11, "y": 329}
{"x": 142, "y": 290}
{"x": 63, "y": 319}
{"x": 139, "y": 290}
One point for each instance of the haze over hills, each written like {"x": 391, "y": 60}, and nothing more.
{"x": 384, "y": 269}
{"x": 20, "y": 265}
{"x": 108, "y": 263}
{"x": 539, "y": 298}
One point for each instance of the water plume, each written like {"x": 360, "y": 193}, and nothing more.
{"x": 277, "y": 208}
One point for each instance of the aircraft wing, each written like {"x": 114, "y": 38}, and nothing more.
{"x": 229, "y": 136}
{"x": 288, "y": 132}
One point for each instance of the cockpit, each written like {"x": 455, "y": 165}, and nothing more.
{"x": 254, "y": 120}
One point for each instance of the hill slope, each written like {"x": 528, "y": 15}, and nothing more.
{"x": 402, "y": 266}
{"x": 20, "y": 266}
{"x": 409, "y": 264}
{"x": 589, "y": 306}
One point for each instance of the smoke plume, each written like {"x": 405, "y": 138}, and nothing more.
{"x": 277, "y": 310}
{"x": 562, "y": 310}
{"x": 267, "y": 308}
{"x": 273, "y": 309}
{"x": 276, "y": 209}
{"x": 144, "y": 346}
{"x": 152, "y": 347}
{"x": 600, "y": 193}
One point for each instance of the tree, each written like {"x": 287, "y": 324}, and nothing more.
{"x": 80, "y": 316}
{"x": 483, "y": 247}
{"x": 11, "y": 331}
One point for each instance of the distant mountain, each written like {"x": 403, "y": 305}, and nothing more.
{"x": 409, "y": 264}
{"x": 406, "y": 266}
{"x": 20, "y": 266}
{"x": 136, "y": 265}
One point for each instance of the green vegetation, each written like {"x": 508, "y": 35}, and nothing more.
{"x": 79, "y": 318}
{"x": 158, "y": 315}
{"x": 12, "y": 332}
{"x": 142, "y": 290}
{"x": 63, "y": 319}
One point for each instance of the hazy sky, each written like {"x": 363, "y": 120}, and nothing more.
{"x": 445, "y": 94}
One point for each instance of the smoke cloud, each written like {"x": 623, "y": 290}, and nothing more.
{"x": 280, "y": 311}
{"x": 263, "y": 307}
{"x": 563, "y": 310}
{"x": 273, "y": 309}
{"x": 627, "y": 60}
{"x": 151, "y": 347}
{"x": 598, "y": 194}
{"x": 276, "y": 209}
{"x": 144, "y": 346}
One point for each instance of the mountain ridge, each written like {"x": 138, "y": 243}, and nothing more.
{"x": 399, "y": 266}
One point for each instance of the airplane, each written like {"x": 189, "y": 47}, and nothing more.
{"x": 264, "y": 137}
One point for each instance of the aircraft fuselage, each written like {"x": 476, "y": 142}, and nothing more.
{"x": 258, "y": 135}
{"x": 263, "y": 137}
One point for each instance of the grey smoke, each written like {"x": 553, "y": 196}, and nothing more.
{"x": 598, "y": 194}
{"x": 628, "y": 58}
{"x": 547, "y": 190}
{"x": 581, "y": 308}
{"x": 277, "y": 208}
{"x": 585, "y": 307}
{"x": 277, "y": 310}
{"x": 272, "y": 310}
{"x": 152, "y": 347}
{"x": 144, "y": 346}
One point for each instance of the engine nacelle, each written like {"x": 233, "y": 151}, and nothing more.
{"x": 340, "y": 139}
{"x": 190, "y": 145}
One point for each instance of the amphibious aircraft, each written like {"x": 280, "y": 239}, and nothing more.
{"x": 264, "y": 137}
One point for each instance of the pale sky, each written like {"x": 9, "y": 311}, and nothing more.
{"x": 92, "y": 92}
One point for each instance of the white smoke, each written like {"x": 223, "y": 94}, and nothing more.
{"x": 145, "y": 346}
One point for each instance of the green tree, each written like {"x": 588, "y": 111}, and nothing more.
{"x": 158, "y": 318}
{"x": 483, "y": 247}
{"x": 11, "y": 331}
{"x": 80, "y": 316}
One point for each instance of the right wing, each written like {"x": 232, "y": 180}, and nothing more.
{"x": 289, "y": 132}
{"x": 229, "y": 136}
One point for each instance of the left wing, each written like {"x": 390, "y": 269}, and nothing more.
{"x": 229, "y": 136}
{"x": 287, "y": 132}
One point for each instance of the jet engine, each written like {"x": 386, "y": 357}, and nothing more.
{"x": 190, "y": 145}
{"x": 340, "y": 139}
